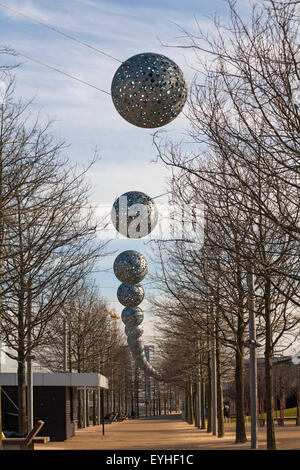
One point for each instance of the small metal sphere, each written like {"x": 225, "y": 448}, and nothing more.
{"x": 134, "y": 214}
{"x": 132, "y": 316}
{"x": 149, "y": 90}
{"x": 130, "y": 295}
{"x": 134, "y": 331}
{"x": 130, "y": 267}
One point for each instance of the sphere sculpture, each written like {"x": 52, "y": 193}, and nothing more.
{"x": 143, "y": 365}
{"x": 149, "y": 90}
{"x": 136, "y": 347}
{"x": 130, "y": 295}
{"x": 134, "y": 214}
{"x": 130, "y": 267}
{"x": 135, "y": 344}
{"x": 134, "y": 331}
{"x": 132, "y": 316}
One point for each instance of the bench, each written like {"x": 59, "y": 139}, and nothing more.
{"x": 280, "y": 421}
{"x": 26, "y": 443}
{"x": 109, "y": 419}
{"x": 121, "y": 417}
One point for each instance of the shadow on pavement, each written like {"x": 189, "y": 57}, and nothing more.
{"x": 172, "y": 416}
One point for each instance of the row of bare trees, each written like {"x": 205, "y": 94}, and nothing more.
{"x": 48, "y": 235}
{"x": 240, "y": 161}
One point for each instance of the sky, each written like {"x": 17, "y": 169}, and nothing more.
{"x": 86, "y": 118}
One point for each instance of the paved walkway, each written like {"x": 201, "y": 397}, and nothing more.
{"x": 167, "y": 433}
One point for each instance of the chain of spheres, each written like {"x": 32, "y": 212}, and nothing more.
{"x": 148, "y": 90}
{"x": 130, "y": 267}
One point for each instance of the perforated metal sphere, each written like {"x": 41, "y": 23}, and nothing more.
{"x": 149, "y": 90}
{"x": 134, "y": 214}
{"x": 132, "y": 316}
{"x": 130, "y": 267}
{"x": 130, "y": 295}
{"x": 134, "y": 331}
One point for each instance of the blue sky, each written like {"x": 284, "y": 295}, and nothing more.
{"x": 86, "y": 118}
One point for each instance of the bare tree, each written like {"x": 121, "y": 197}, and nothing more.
{"x": 50, "y": 240}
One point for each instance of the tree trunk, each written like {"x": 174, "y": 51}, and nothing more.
{"x": 87, "y": 402}
{"x": 271, "y": 443}
{"x": 240, "y": 431}
{"x": 22, "y": 421}
{"x": 22, "y": 393}
{"x": 203, "y": 421}
{"x": 94, "y": 408}
{"x": 209, "y": 393}
{"x": 79, "y": 401}
{"x": 190, "y": 403}
{"x": 282, "y": 404}
{"x": 79, "y": 412}
{"x": 298, "y": 396}
{"x": 159, "y": 404}
{"x": 202, "y": 394}
{"x": 220, "y": 405}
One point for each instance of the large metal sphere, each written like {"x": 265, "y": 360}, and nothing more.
{"x": 149, "y": 90}
{"x": 134, "y": 331}
{"x": 132, "y": 316}
{"x": 130, "y": 295}
{"x": 134, "y": 214}
{"x": 130, "y": 267}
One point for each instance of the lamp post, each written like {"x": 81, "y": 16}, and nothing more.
{"x": 198, "y": 388}
{"x": 214, "y": 377}
{"x": 65, "y": 345}
{"x": 30, "y": 358}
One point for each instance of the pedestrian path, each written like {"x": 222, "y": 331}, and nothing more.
{"x": 168, "y": 432}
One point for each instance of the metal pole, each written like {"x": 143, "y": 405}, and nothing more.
{"x": 253, "y": 361}
{"x": 146, "y": 394}
{"x": 214, "y": 387}
{"x": 102, "y": 409}
{"x": 65, "y": 345}
{"x": 98, "y": 407}
{"x": 214, "y": 377}
{"x": 29, "y": 362}
{"x": 84, "y": 407}
{"x": 29, "y": 395}
{"x": 198, "y": 390}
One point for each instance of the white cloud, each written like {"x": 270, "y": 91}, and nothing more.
{"x": 111, "y": 180}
